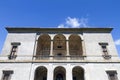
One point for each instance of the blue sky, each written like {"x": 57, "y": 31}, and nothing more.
{"x": 60, "y": 13}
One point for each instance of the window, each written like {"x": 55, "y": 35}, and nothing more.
{"x": 59, "y": 46}
{"x": 59, "y": 54}
{"x": 112, "y": 75}
{"x": 105, "y": 50}
{"x": 59, "y": 77}
{"x": 7, "y": 75}
{"x": 13, "y": 53}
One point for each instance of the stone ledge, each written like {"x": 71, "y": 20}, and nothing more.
{"x": 59, "y": 61}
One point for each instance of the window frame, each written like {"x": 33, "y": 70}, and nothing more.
{"x": 109, "y": 73}
{"x": 8, "y": 73}
{"x": 104, "y": 48}
{"x": 105, "y": 51}
{"x": 14, "y": 50}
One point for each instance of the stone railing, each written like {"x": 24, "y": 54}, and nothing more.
{"x": 59, "y": 58}
{"x": 73, "y": 57}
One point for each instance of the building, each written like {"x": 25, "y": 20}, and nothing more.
{"x": 59, "y": 54}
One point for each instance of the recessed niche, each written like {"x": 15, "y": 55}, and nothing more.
{"x": 59, "y": 54}
{"x": 59, "y": 46}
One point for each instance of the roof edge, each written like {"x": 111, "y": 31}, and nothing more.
{"x": 32, "y": 29}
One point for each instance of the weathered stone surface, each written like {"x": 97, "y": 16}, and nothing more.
{"x": 93, "y": 61}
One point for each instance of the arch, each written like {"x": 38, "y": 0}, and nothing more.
{"x": 75, "y": 45}
{"x": 41, "y": 73}
{"x": 59, "y": 45}
{"x": 59, "y": 73}
{"x": 78, "y": 73}
{"x": 43, "y": 45}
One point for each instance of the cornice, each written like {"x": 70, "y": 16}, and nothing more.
{"x": 57, "y": 30}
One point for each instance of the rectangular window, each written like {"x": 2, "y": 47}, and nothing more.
{"x": 7, "y": 75}
{"x": 13, "y": 53}
{"x": 105, "y": 50}
{"x": 59, "y": 46}
{"x": 112, "y": 75}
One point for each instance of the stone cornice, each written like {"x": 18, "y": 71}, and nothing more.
{"x": 57, "y": 30}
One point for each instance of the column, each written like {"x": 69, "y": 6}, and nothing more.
{"x": 35, "y": 47}
{"x": 83, "y": 47}
{"x": 69, "y": 72}
{"x": 67, "y": 48}
{"x": 51, "y": 48}
{"x": 50, "y": 72}
{"x": 67, "y": 45}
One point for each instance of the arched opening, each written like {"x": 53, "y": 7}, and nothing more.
{"x": 41, "y": 73}
{"x": 43, "y": 46}
{"x": 59, "y": 45}
{"x": 59, "y": 73}
{"x": 78, "y": 73}
{"x": 75, "y": 45}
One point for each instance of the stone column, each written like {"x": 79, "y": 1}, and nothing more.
{"x": 67, "y": 48}
{"x": 69, "y": 72}
{"x": 83, "y": 47}
{"x": 35, "y": 47}
{"x": 51, "y": 48}
{"x": 50, "y": 72}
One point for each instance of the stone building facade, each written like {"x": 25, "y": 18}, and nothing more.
{"x": 59, "y": 54}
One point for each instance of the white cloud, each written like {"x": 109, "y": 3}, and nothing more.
{"x": 61, "y": 26}
{"x": 117, "y": 42}
{"x": 74, "y": 23}
{"x": 83, "y": 22}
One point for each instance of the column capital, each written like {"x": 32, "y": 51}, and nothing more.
{"x": 52, "y": 36}
{"x": 67, "y": 37}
